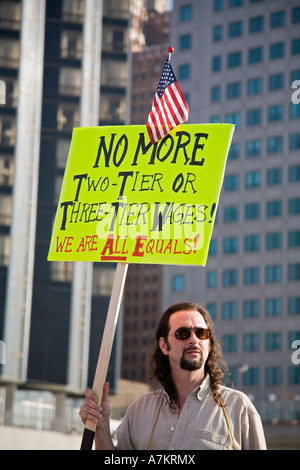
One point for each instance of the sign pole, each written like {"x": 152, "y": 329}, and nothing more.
{"x": 106, "y": 347}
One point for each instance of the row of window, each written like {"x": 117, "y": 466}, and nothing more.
{"x": 252, "y": 341}
{"x": 277, "y": 19}
{"x": 255, "y": 25}
{"x": 252, "y": 210}
{"x": 254, "y": 117}
{"x": 253, "y": 148}
{"x": 256, "y": 55}
{"x": 252, "y": 243}
{"x": 273, "y": 307}
{"x": 273, "y": 376}
{"x": 253, "y": 179}
{"x": 254, "y": 87}
{"x": 252, "y": 275}
{"x": 235, "y": 59}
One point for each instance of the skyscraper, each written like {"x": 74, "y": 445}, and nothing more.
{"x": 36, "y": 322}
{"x": 236, "y": 62}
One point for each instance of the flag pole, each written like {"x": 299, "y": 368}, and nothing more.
{"x": 106, "y": 347}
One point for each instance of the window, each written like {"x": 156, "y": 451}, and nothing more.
{"x": 277, "y": 19}
{"x": 274, "y": 208}
{"x": 231, "y": 182}
{"x": 294, "y": 375}
{"x": 184, "y": 71}
{"x": 294, "y": 238}
{"x": 273, "y": 375}
{"x": 229, "y": 343}
{"x": 234, "y": 59}
{"x": 211, "y": 279}
{"x": 235, "y": 29}
{"x": 275, "y": 113}
{"x": 213, "y": 248}
{"x": 231, "y": 214}
{"x": 234, "y": 90}
{"x": 178, "y": 283}
{"x": 294, "y": 206}
{"x": 251, "y": 243}
{"x": 296, "y": 15}
{"x": 255, "y": 55}
{"x": 254, "y": 117}
{"x": 294, "y": 306}
{"x": 251, "y": 276}
{"x": 234, "y": 118}
{"x": 216, "y": 63}
{"x": 274, "y": 176}
{"x": 253, "y": 148}
{"x": 276, "y": 82}
{"x": 230, "y": 277}
{"x": 217, "y": 33}
{"x": 251, "y": 308}
{"x": 294, "y": 272}
{"x": 295, "y": 46}
{"x": 215, "y": 93}
{"x": 251, "y": 376}
{"x": 273, "y": 307}
{"x": 251, "y": 342}
{"x": 294, "y": 111}
{"x": 230, "y": 245}
{"x": 277, "y": 50}
{"x": 275, "y": 145}
{"x": 273, "y": 273}
{"x": 273, "y": 241}
{"x": 252, "y": 211}
{"x": 234, "y": 152}
{"x": 252, "y": 179}
{"x": 235, "y": 3}
{"x": 255, "y": 86}
{"x": 256, "y": 24}
{"x": 218, "y": 5}
{"x": 294, "y": 173}
{"x": 212, "y": 308}
{"x": 185, "y": 42}
{"x": 186, "y": 13}
{"x": 229, "y": 310}
{"x": 294, "y": 141}
{"x": 273, "y": 341}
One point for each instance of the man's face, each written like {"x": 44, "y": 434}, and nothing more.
{"x": 190, "y": 354}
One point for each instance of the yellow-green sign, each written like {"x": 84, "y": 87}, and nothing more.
{"x": 124, "y": 199}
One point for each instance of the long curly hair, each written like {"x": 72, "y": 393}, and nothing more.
{"x": 159, "y": 365}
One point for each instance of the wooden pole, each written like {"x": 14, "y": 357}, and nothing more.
{"x": 106, "y": 347}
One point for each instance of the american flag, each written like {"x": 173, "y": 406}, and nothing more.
{"x": 169, "y": 107}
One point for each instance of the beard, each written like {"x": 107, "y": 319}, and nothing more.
{"x": 191, "y": 364}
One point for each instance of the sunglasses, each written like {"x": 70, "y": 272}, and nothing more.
{"x": 184, "y": 333}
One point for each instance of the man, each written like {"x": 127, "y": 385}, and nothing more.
{"x": 193, "y": 410}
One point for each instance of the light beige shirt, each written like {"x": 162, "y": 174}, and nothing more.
{"x": 201, "y": 424}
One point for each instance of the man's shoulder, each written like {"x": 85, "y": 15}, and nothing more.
{"x": 231, "y": 395}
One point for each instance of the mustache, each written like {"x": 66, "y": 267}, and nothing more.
{"x": 192, "y": 348}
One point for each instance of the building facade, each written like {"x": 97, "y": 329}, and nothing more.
{"x": 43, "y": 337}
{"x": 237, "y": 61}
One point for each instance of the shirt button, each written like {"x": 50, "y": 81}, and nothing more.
{"x": 172, "y": 428}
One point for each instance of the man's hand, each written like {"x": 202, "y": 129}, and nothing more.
{"x": 90, "y": 410}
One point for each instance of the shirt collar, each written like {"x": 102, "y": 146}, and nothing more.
{"x": 199, "y": 392}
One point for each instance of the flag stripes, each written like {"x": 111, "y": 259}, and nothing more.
{"x": 169, "y": 108}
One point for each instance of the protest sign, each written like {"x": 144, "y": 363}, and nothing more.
{"x": 124, "y": 199}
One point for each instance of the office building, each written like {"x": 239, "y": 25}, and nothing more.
{"x": 237, "y": 61}
{"x": 49, "y": 346}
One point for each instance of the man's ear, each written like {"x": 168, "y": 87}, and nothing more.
{"x": 163, "y": 346}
